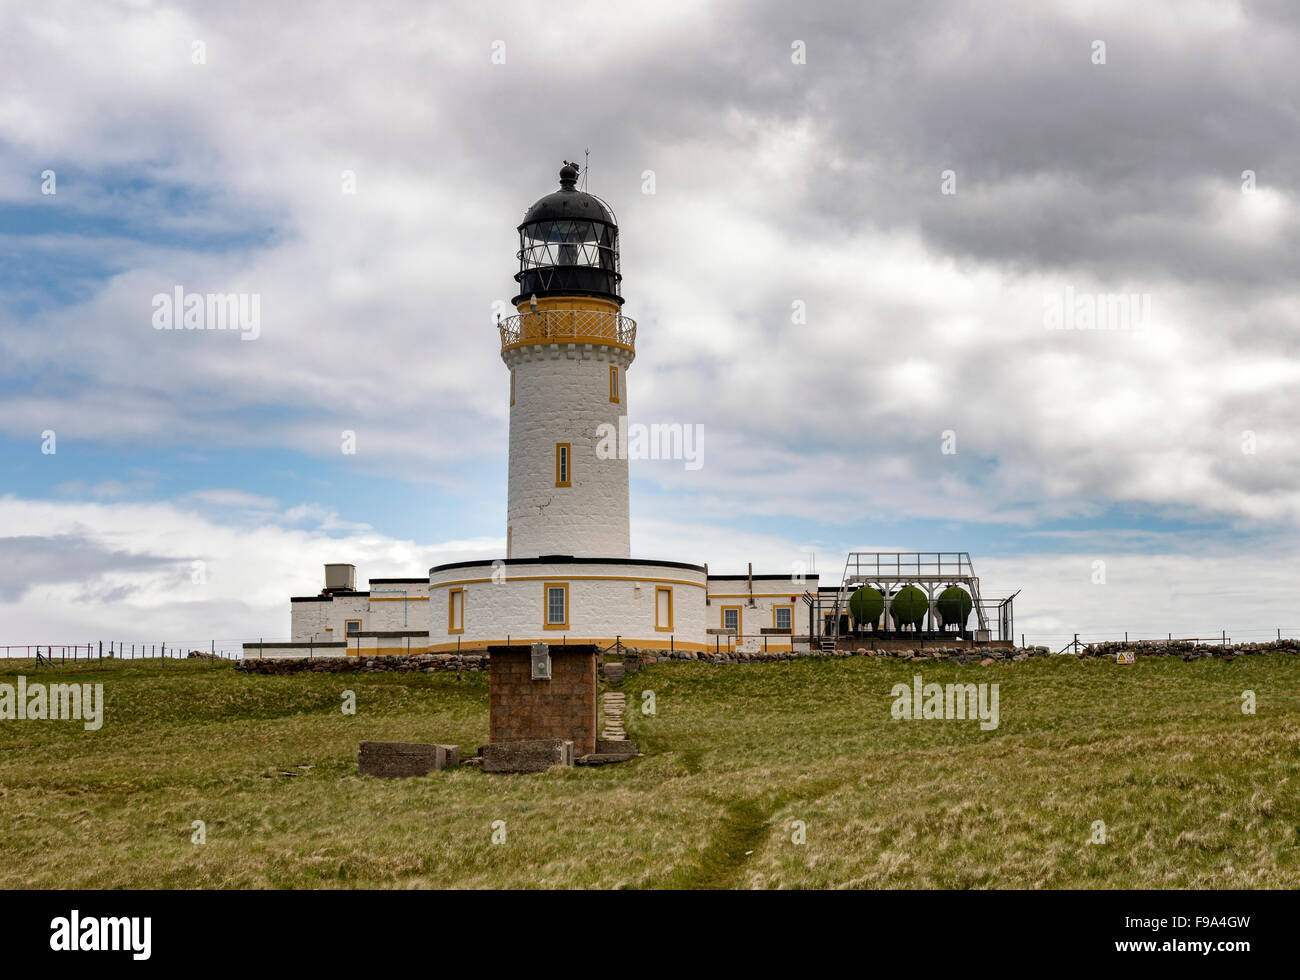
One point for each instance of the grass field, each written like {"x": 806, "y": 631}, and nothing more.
{"x": 1193, "y": 792}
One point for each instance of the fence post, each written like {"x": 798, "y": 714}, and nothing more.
{"x": 101, "y": 651}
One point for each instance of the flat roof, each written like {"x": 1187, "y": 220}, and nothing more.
{"x": 759, "y": 578}
{"x": 566, "y": 560}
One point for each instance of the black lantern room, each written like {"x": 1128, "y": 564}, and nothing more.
{"x": 568, "y": 245}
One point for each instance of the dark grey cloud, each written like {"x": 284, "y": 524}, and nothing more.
{"x": 27, "y": 562}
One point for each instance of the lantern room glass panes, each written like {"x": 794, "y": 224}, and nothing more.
{"x": 581, "y": 243}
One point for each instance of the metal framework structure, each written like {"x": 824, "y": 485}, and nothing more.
{"x": 568, "y": 326}
{"x": 930, "y": 571}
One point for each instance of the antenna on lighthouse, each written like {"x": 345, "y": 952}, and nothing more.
{"x": 586, "y": 165}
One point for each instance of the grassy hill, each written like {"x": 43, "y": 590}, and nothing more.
{"x": 1193, "y": 793}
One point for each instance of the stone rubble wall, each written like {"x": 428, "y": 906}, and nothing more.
{"x": 422, "y": 662}
{"x": 634, "y": 659}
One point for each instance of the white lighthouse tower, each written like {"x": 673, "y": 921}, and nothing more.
{"x": 568, "y": 351}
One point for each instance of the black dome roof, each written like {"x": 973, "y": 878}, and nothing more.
{"x": 568, "y": 203}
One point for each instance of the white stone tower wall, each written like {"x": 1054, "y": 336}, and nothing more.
{"x": 561, "y": 395}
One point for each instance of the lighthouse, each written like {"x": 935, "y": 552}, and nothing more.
{"x": 568, "y": 349}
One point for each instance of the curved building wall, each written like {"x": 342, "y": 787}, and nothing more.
{"x": 645, "y": 603}
{"x": 561, "y": 395}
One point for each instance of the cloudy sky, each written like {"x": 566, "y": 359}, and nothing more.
{"x": 845, "y": 230}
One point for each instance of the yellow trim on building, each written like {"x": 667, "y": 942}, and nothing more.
{"x": 648, "y": 643}
{"x": 775, "y": 624}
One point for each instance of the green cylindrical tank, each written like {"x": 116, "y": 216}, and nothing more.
{"x": 909, "y": 606}
{"x": 954, "y": 605}
{"x": 866, "y": 605}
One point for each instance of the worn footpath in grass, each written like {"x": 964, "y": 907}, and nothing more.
{"x": 1191, "y": 791}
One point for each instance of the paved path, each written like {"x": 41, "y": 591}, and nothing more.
{"x": 613, "y": 705}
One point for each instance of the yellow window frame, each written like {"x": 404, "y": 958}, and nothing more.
{"x": 454, "y": 596}
{"x": 740, "y": 619}
{"x": 546, "y": 605}
{"x": 658, "y": 626}
{"x": 563, "y": 472}
{"x": 613, "y": 383}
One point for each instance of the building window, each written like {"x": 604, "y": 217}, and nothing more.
{"x": 456, "y": 611}
{"x": 663, "y": 608}
{"x": 512, "y": 386}
{"x": 829, "y": 626}
{"x": 613, "y": 384}
{"x": 783, "y": 617}
{"x": 352, "y": 626}
{"x": 563, "y": 477}
{"x": 556, "y": 597}
{"x": 731, "y": 618}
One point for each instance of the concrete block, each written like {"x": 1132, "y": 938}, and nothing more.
{"x": 400, "y": 760}
{"x": 533, "y": 755}
{"x": 609, "y": 746}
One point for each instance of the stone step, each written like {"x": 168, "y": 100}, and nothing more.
{"x": 603, "y": 758}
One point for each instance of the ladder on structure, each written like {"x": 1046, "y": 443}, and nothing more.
{"x": 828, "y": 643}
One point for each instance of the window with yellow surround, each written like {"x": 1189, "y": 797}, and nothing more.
{"x": 456, "y": 611}
{"x": 563, "y": 477}
{"x": 663, "y": 608}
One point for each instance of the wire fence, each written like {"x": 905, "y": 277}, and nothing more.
{"x": 1210, "y": 636}
{"x": 125, "y": 650}
{"x": 234, "y": 649}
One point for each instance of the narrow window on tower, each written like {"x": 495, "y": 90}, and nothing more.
{"x": 613, "y": 383}
{"x": 456, "y": 611}
{"x": 512, "y": 386}
{"x": 557, "y": 606}
{"x": 562, "y": 474}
